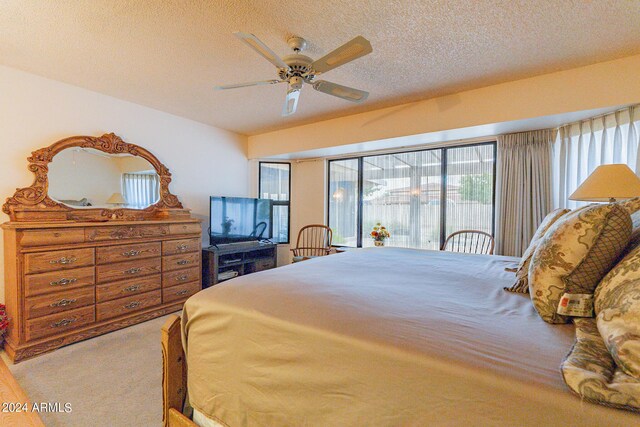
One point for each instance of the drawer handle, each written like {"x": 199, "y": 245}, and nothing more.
{"x": 63, "y": 303}
{"x": 64, "y": 260}
{"x": 63, "y": 322}
{"x": 132, "y": 252}
{"x": 62, "y": 282}
{"x": 132, "y": 305}
{"x": 182, "y": 292}
{"x": 132, "y": 288}
{"x": 182, "y": 278}
{"x": 135, "y": 270}
{"x": 183, "y": 262}
{"x": 182, "y": 247}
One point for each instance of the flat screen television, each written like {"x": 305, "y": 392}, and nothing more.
{"x": 239, "y": 219}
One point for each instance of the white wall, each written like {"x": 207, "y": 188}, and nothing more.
{"x": 35, "y": 112}
{"x": 308, "y": 192}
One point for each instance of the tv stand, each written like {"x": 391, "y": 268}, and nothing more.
{"x": 224, "y": 262}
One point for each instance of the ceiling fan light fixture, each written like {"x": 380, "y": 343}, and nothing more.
{"x": 297, "y": 69}
{"x": 291, "y": 102}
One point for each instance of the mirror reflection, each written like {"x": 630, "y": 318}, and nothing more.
{"x": 85, "y": 178}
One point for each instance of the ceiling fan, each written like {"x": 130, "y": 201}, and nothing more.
{"x": 297, "y": 69}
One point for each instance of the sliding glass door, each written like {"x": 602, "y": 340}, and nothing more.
{"x": 420, "y": 196}
{"x": 344, "y": 209}
{"x": 402, "y": 192}
{"x": 470, "y": 188}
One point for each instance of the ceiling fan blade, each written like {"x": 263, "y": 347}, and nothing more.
{"x": 254, "y": 43}
{"x": 344, "y": 92}
{"x": 291, "y": 102}
{"x": 261, "y": 83}
{"x": 349, "y": 51}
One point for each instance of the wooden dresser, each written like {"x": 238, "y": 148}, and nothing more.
{"x": 72, "y": 274}
{"x": 68, "y": 282}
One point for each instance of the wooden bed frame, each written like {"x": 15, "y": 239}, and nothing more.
{"x": 174, "y": 375}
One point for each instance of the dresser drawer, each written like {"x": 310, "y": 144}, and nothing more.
{"x": 127, "y": 269}
{"x": 178, "y": 277}
{"x": 189, "y": 228}
{"x": 174, "y": 247}
{"x": 175, "y": 262}
{"x": 126, "y": 288}
{"x": 180, "y": 292}
{"x": 122, "y": 306}
{"x": 58, "y": 260}
{"x": 57, "y": 302}
{"x": 119, "y": 253}
{"x": 38, "y": 284}
{"x": 59, "y": 323}
{"x": 96, "y": 234}
{"x": 55, "y": 236}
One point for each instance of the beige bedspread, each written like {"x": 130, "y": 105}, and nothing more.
{"x": 380, "y": 336}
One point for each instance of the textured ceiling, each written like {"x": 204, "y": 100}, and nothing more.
{"x": 169, "y": 54}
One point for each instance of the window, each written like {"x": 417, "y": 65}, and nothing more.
{"x": 582, "y": 146}
{"x": 344, "y": 201}
{"x": 140, "y": 189}
{"x": 275, "y": 184}
{"x": 420, "y": 196}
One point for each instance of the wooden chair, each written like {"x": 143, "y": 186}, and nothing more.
{"x": 313, "y": 241}
{"x": 470, "y": 242}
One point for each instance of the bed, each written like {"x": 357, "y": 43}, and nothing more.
{"x": 380, "y": 336}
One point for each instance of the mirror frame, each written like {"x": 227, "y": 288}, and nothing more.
{"x": 34, "y": 204}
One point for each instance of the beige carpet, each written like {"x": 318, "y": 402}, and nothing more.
{"x": 112, "y": 380}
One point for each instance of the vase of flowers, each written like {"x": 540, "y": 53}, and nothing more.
{"x": 379, "y": 234}
{"x": 4, "y": 323}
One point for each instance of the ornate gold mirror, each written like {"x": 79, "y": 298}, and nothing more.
{"x": 86, "y": 178}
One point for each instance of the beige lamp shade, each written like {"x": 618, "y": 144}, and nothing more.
{"x": 608, "y": 183}
{"x": 116, "y": 199}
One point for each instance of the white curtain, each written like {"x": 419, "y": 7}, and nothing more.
{"x": 523, "y": 188}
{"x": 140, "y": 189}
{"x": 582, "y": 146}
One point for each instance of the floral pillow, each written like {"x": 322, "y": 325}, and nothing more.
{"x": 635, "y": 233}
{"x": 522, "y": 272}
{"x": 617, "y": 306}
{"x": 631, "y": 205}
{"x": 590, "y": 371}
{"x": 573, "y": 257}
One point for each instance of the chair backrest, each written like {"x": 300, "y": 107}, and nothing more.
{"x": 470, "y": 242}
{"x": 314, "y": 240}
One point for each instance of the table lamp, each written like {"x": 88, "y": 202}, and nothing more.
{"x": 116, "y": 199}
{"x": 608, "y": 183}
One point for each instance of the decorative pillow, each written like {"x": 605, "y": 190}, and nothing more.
{"x": 635, "y": 231}
{"x": 590, "y": 372}
{"x": 631, "y": 205}
{"x": 522, "y": 272}
{"x": 617, "y": 305}
{"x": 573, "y": 257}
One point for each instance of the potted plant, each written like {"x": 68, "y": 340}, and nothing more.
{"x": 379, "y": 234}
{"x": 4, "y": 323}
